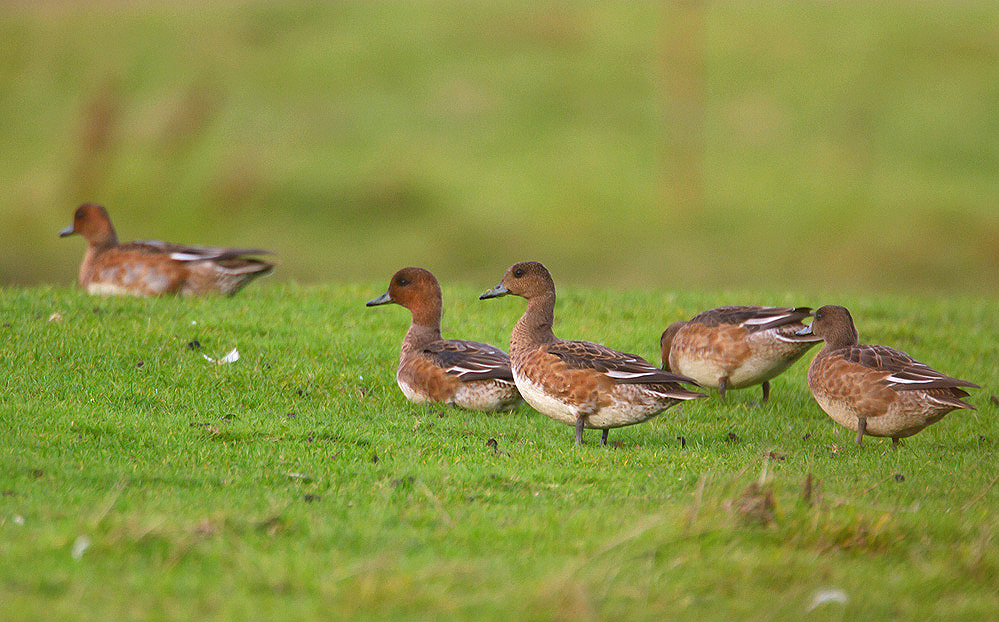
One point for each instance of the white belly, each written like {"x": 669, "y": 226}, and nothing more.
{"x": 411, "y": 394}
{"x": 907, "y": 415}
{"x": 628, "y": 404}
{"x": 840, "y": 412}
{"x": 486, "y": 395}
{"x": 706, "y": 371}
{"x": 108, "y": 289}
{"x": 753, "y": 370}
{"x": 544, "y": 403}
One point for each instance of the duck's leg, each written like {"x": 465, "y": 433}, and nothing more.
{"x": 861, "y": 428}
{"x": 603, "y": 437}
{"x": 766, "y": 392}
{"x": 722, "y": 385}
{"x": 579, "y": 430}
{"x": 894, "y": 442}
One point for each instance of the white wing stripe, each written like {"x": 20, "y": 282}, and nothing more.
{"x": 466, "y": 370}
{"x": 460, "y": 370}
{"x": 685, "y": 396}
{"x": 186, "y": 257}
{"x": 625, "y": 375}
{"x": 766, "y": 320}
{"x": 898, "y": 380}
{"x": 802, "y": 339}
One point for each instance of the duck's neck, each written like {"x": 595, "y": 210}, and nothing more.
{"x": 426, "y": 328}
{"x": 89, "y": 263}
{"x": 105, "y": 237}
{"x": 111, "y": 239}
{"x": 832, "y": 346}
{"x": 844, "y": 338}
{"x": 535, "y": 326}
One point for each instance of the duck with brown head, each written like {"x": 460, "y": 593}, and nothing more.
{"x": 873, "y": 389}
{"x": 467, "y": 374}
{"x": 149, "y": 268}
{"x": 579, "y": 383}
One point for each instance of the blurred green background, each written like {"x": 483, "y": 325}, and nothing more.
{"x": 817, "y": 146}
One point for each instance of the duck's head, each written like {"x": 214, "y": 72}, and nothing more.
{"x": 93, "y": 223}
{"x": 666, "y": 342}
{"x": 413, "y": 288}
{"x": 834, "y": 325}
{"x": 527, "y": 279}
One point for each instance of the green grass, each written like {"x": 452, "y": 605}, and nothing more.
{"x": 297, "y": 483}
{"x": 813, "y": 145}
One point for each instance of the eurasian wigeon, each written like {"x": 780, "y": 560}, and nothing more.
{"x": 736, "y": 346}
{"x": 467, "y": 374}
{"x": 874, "y": 389}
{"x": 150, "y": 267}
{"x": 579, "y": 383}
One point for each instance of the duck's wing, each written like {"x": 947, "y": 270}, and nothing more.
{"x": 469, "y": 360}
{"x": 904, "y": 373}
{"x": 753, "y": 318}
{"x": 182, "y": 252}
{"x": 619, "y": 366}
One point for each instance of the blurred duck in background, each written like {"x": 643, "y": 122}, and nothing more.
{"x": 151, "y": 268}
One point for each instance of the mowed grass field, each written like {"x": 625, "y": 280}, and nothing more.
{"x": 141, "y": 481}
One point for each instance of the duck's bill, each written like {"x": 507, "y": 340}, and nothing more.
{"x": 495, "y": 292}
{"x": 804, "y": 335}
{"x": 384, "y": 299}
{"x": 67, "y": 231}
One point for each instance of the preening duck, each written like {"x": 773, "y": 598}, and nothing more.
{"x": 735, "y": 347}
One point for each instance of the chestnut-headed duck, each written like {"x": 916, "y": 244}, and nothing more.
{"x": 579, "y": 383}
{"x": 150, "y": 267}
{"x": 874, "y": 389}
{"x": 736, "y": 346}
{"x": 467, "y": 374}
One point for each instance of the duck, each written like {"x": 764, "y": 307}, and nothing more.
{"x": 151, "y": 267}
{"x": 466, "y": 374}
{"x": 737, "y": 346}
{"x": 876, "y": 390}
{"x": 579, "y": 383}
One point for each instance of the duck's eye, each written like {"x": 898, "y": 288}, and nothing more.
{"x": 403, "y": 281}
{"x": 518, "y": 273}
{"x": 818, "y": 315}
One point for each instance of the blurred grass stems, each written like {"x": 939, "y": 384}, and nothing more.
{"x": 634, "y": 144}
